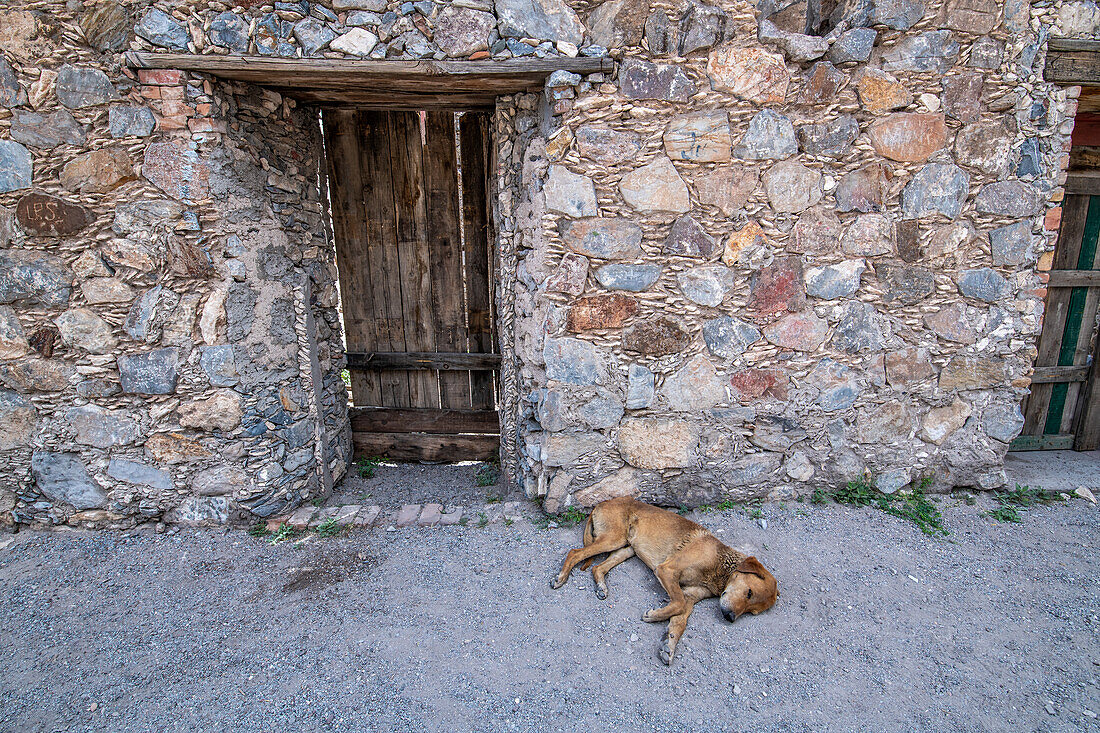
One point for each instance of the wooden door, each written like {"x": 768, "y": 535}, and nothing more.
{"x": 1063, "y": 409}
{"x": 409, "y": 203}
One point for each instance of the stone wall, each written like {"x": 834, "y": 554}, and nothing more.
{"x": 771, "y": 252}
{"x": 170, "y": 339}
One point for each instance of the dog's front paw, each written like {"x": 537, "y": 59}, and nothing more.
{"x": 601, "y": 592}
{"x": 652, "y": 616}
{"x": 557, "y": 582}
{"x": 666, "y": 652}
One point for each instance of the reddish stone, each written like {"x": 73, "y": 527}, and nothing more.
{"x": 600, "y": 311}
{"x": 907, "y": 366}
{"x": 822, "y": 84}
{"x": 907, "y": 234}
{"x": 205, "y": 124}
{"x": 40, "y": 213}
{"x": 798, "y": 331}
{"x": 570, "y": 275}
{"x": 160, "y": 77}
{"x": 749, "y": 73}
{"x": 177, "y": 170}
{"x": 752, "y": 384}
{"x": 909, "y": 136}
{"x": 479, "y": 55}
{"x": 1053, "y": 219}
{"x": 656, "y": 337}
{"x": 817, "y": 231}
{"x": 880, "y": 92}
{"x": 962, "y": 95}
{"x": 99, "y": 171}
{"x": 863, "y": 189}
{"x": 777, "y": 289}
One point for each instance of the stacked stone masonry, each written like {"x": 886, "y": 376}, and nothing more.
{"x": 770, "y": 252}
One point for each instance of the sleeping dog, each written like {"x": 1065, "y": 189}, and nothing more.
{"x": 689, "y": 561}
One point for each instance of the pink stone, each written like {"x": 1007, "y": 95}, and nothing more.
{"x": 177, "y": 170}
{"x": 777, "y": 289}
{"x": 752, "y": 74}
{"x": 600, "y": 311}
{"x": 570, "y": 275}
{"x": 750, "y": 385}
{"x": 798, "y": 331}
{"x": 908, "y": 136}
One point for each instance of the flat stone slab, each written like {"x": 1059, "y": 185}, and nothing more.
{"x": 452, "y": 516}
{"x": 407, "y": 515}
{"x": 430, "y": 515}
{"x": 367, "y": 516}
{"x": 299, "y": 518}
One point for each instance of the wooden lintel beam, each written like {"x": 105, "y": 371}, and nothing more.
{"x": 1084, "y": 182}
{"x": 1072, "y": 61}
{"x": 385, "y": 360}
{"x": 422, "y": 447}
{"x": 1056, "y": 374}
{"x": 420, "y": 420}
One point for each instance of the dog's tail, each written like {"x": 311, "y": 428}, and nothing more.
{"x": 588, "y": 538}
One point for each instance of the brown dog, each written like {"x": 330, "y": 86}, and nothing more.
{"x": 689, "y": 561}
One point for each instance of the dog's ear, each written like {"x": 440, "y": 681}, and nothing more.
{"x": 752, "y": 566}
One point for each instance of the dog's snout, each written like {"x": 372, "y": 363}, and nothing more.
{"x": 730, "y": 615}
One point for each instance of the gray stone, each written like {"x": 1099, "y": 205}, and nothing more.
{"x": 869, "y": 235}
{"x": 83, "y": 329}
{"x": 941, "y": 422}
{"x": 905, "y": 284}
{"x": 938, "y": 188}
{"x": 694, "y": 387}
{"x": 603, "y": 238}
{"x": 640, "y": 388}
{"x": 127, "y": 120}
{"x": 200, "y": 511}
{"x": 563, "y": 449}
{"x": 12, "y": 93}
{"x": 1031, "y": 158}
{"x": 984, "y": 284}
{"x": 272, "y": 37}
{"x": 985, "y": 146}
{"x": 16, "y": 169}
{"x": 34, "y": 277}
{"x": 792, "y": 187}
{"x": 229, "y": 30}
{"x": 702, "y": 27}
{"x": 139, "y": 321}
{"x": 656, "y": 186}
{"x": 18, "y": 420}
{"x": 617, "y": 23}
{"x": 728, "y": 338}
{"x": 570, "y": 193}
{"x": 817, "y": 231}
{"x": 462, "y": 31}
{"x": 853, "y": 46}
{"x": 62, "y": 477}
{"x": 552, "y": 410}
{"x": 272, "y": 263}
{"x": 1012, "y": 244}
{"x": 1008, "y": 198}
{"x": 706, "y": 285}
{"x": 573, "y": 361}
{"x": 240, "y": 311}
{"x": 363, "y": 17}
{"x": 13, "y": 342}
{"x": 986, "y": 53}
{"x": 76, "y": 88}
{"x": 141, "y": 474}
{"x": 752, "y": 469}
{"x": 660, "y": 34}
{"x": 633, "y": 278}
{"x": 606, "y": 145}
{"x": 703, "y": 137}
{"x": 282, "y": 321}
{"x": 775, "y": 433}
{"x": 153, "y": 372}
{"x": 46, "y": 131}
{"x": 221, "y": 480}
{"x": 219, "y": 365}
{"x": 160, "y": 29}
{"x": 838, "y": 389}
{"x": 642, "y": 80}
{"x": 833, "y": 138}
{"x": 951, "y": 322}
{"x": 795, "y": 46}
{"x": 886, "y": 423}
{"x": 101, "y": 428}
{"x": 687, "y": 238}
{"x": 1002, "y": 421}
{"x": 313, "y": 35}
{"x": 146, "y": 216}
{"x": 929, "y": 51}
{"x": 893, "y": 480}
{"x": 834, "y": 281}
{"x": 770, "y": 136}
{"x": 551, "y": 20}
{"x": 901, "y": 15}
{"x": 858, "y": 330}
{"x": 602, "y": 412}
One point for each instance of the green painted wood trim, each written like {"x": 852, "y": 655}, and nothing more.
{"x": 1042, "y": 442}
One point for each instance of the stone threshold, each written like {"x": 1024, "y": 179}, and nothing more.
{"x": 408, "y": 515}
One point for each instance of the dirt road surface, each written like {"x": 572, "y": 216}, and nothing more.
{"x": 456, "y": 629}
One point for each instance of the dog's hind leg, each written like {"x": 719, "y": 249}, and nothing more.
{"x": 588, "y": 541}
{"x": 602, "y": 544}
{"x": 600, "y": 571}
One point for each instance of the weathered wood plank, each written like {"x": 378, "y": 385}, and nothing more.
{"x": 1074, "y": 279}
{"x": 417, "y": 294}
{"x": 1087, "y": 427}
{"x": 474, "y": 137}
{"x": 1083, "y": 182}
{"x": 1042, "y": 442}
{"x": 425, "y": 447}
{"x": 375, "y": 143}
{"x": 446, "y": 265}
{"x": 381, "y": 360}
{"x": 1072, "y": 61}
{"x": 387, "y": 420}
{"x": 350, "y": 231}
{"x": 1050, "y": 375}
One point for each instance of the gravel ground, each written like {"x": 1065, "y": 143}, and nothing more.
{"x": 456, "y": 629}
{"x": 394, "y": 484}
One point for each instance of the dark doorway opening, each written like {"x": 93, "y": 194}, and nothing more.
{"x": 410, "y": 213}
